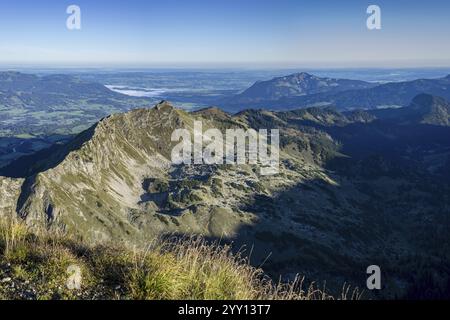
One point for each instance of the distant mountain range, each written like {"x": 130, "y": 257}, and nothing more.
{"x": 304, "y": 90}
{"x": 424, "y": 109}
{"x": 55, "y": 104}
{"x": 26, "y": 85}
{"x": 50, "y": 93}
{"x": 37, "y": 111}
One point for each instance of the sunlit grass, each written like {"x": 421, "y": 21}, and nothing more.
{"x": 188, "y": 268}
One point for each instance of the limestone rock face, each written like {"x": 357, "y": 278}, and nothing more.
{"x": 10, "y": 190}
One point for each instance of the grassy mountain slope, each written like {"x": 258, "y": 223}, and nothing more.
{"x": 424, "y": 109}
{"x": 352, "y": 191}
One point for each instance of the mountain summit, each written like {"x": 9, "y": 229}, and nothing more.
{"x": 344, "y": 180}
{"x": 294, "y": 85}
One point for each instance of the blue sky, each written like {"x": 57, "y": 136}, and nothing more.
{"x": 278, "y": 33}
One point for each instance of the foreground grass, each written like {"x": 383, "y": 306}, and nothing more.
{"x": 49, "y": 266}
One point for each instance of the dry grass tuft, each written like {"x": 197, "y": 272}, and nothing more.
{"x": 188, "y": 268}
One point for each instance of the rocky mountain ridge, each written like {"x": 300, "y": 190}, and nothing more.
{"x": 294, "y": 92}
{"x": 339, "y": 203}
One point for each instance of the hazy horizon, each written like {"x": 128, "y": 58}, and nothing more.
{"x": 234, "y": 34}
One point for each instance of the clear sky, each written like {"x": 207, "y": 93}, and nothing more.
{"x": 276, "y": 33}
